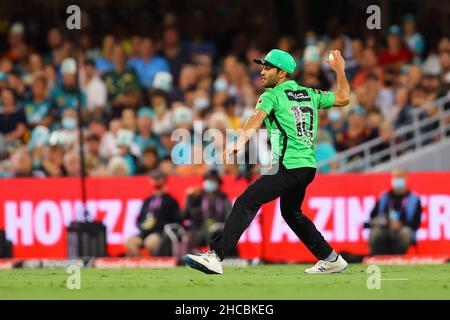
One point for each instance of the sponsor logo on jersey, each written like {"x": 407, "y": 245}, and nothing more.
{"x": 300, "y": 95}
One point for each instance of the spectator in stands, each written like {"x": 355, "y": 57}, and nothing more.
{"x": 3, "y": 77}
{"x": 396, "y": 53}
{"x": 311, "y": 74}
{"x": 33, "y": 69}
{"x": 37, "y": 144}
{"x": 125, "y": 142}
{"x": 17, "y": 85}
{"x": 205, "y": 208}
{"x": 369, "y": 66}
{"x": 68, "y": 134}
{"x": 162, "y": 121}
{"x": 128, "y": 119}
{"x": 166, "y": 166}
{"x": 135, "y": 44}
{"x": 325, "y": 150}
{"x": 52, "y": 160}
{"x": 149, "y": 161}
{"x": 18, "y": 49}
{"x": 385, "y": 133}
{"x": 38, "y": 109}
{"x": 117, "y": 167}
{"x": 402, "y": 115}
{"x": 413, "y": 39}
{"x": 337, "y": 123}
{"x": 67, "y": 96}
{"x": 145, "y": 136}
{"x": 445, "y": 66}
{"x": 122, "y": 84}
{"x": 431, "y": 65}
{"x": 148, "y": 64}
{"x": 13, "y": 123}
{"x": 72, "y": 164}
{"x": 106, "y": 62}
{"x": 356, "y": 60}
{"x": 374, "y": 118}
{"x": 22, "y": 164}
{"x": 94, "y": 161}
{"x": 95, "y": 90}
{"x": 55, "y": 41}
{"x": 395, "y": 218}
{"x": 385, "y": 98}
{"x": 157, "y": 210}
{"x": 356, "y": 133}
{"x": 174, "y": 52}
{"x": 196, "y": 84}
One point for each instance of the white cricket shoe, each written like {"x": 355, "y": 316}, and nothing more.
{"x": 323, "y": 266}
{"x": 207, "y": 262}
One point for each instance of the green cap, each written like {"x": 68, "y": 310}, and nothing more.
{"x": 279, "y": 59}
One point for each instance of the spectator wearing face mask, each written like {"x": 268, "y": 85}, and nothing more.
{"x": 336, "y": 123}
{"x": 205, "y": 208}
{"x": 68, "y": 134}
{"x": 395, "y": 218}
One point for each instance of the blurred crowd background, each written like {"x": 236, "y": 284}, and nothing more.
{"x": 142, "y": 70}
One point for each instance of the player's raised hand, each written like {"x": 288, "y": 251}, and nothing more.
{"x": 336, "y": 61}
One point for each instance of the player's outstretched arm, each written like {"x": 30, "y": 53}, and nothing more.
{"x": 250, "y": 126}
{"x": 342, "y": 94}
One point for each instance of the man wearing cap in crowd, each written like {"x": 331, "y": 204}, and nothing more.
{"x": 157, "y": 210}
{"x": 290, "y": 113}
{"x": 67, "y": 95}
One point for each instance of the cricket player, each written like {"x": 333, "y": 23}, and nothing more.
{"x": 290, "y": 113}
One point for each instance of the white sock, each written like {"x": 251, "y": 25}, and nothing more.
{"x": 332, "y": 257}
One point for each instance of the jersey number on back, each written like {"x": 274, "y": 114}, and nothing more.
{"x": 304, "y": 123}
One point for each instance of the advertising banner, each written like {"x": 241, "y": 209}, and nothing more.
{"x": 35, "y": 213}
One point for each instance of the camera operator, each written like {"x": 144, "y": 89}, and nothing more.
{"x": 395, "y": 218}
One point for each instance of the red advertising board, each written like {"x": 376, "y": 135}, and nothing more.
{"x": 35, "y": 213}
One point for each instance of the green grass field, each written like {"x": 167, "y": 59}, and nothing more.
{"x": 259, "y": 282}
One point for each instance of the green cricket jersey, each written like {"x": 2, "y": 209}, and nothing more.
{"x": 292, "y": 120}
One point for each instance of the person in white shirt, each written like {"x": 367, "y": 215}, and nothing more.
{"x": 94, "y": 88}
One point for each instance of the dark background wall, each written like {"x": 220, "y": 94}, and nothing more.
{"x": 262, "y": 21}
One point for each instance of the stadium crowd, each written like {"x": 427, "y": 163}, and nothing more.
{"x": 135, "y": 91}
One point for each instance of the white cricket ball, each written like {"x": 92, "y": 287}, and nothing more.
{"x": 330, "y": 56}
